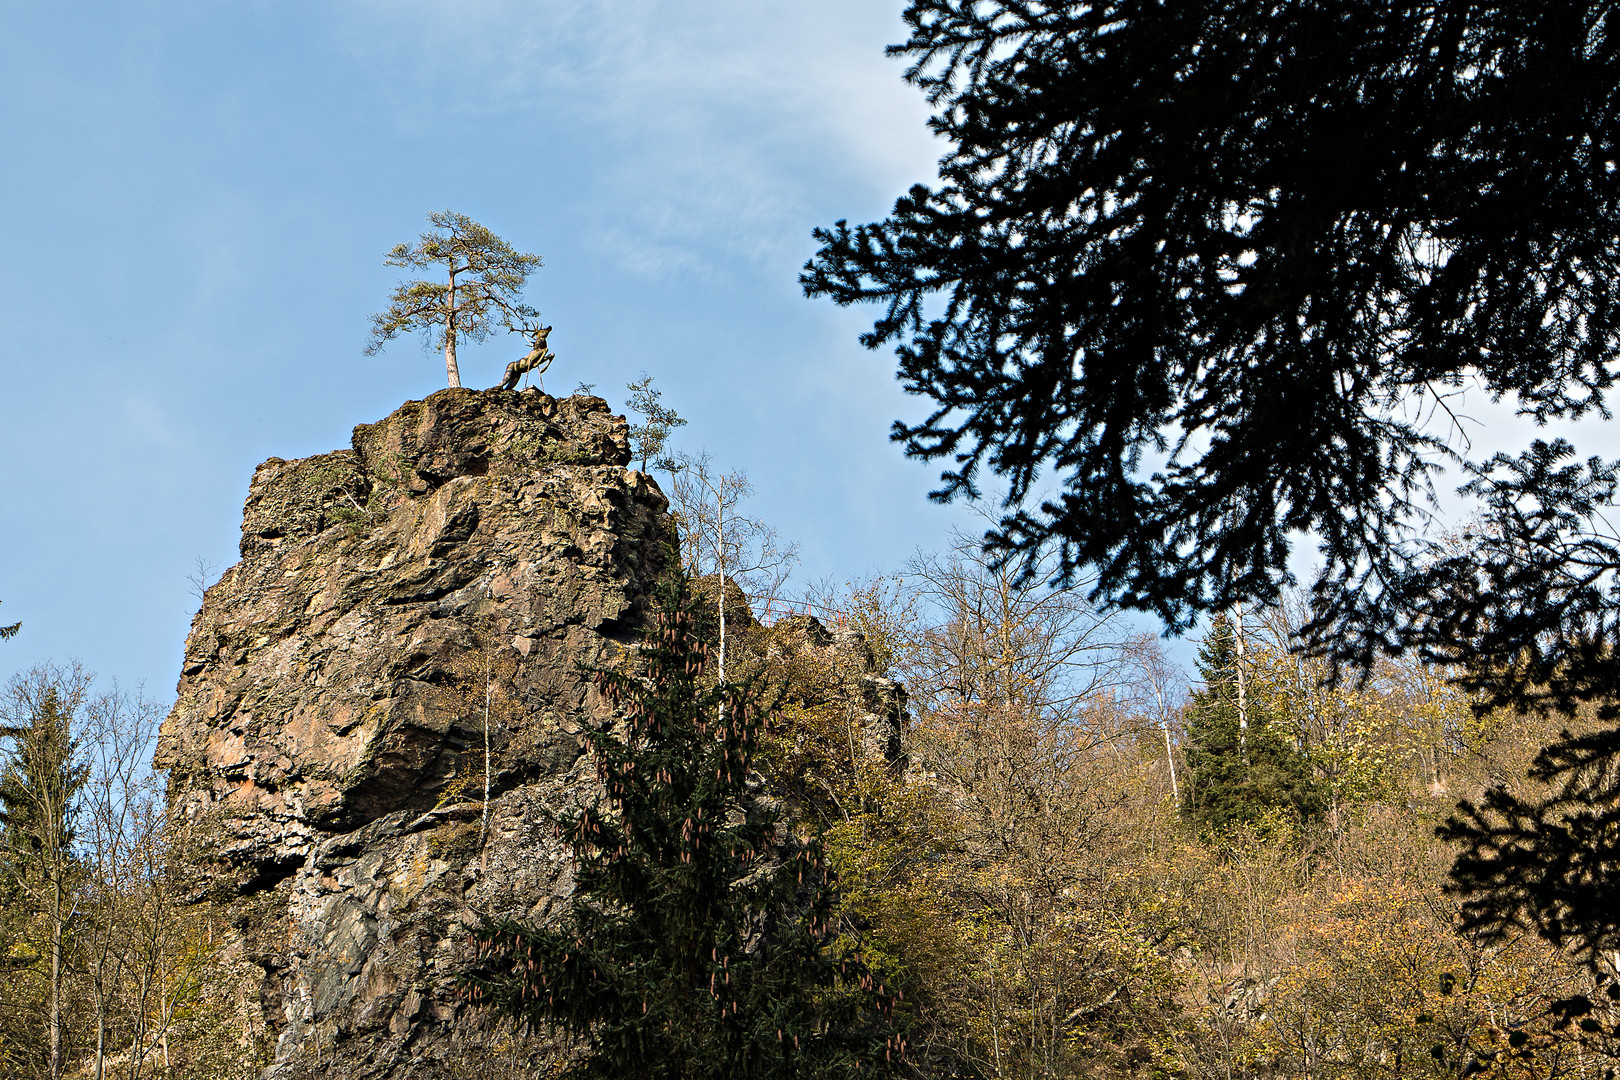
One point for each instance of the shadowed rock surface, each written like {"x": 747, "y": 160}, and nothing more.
{"x": 328, "y": 737}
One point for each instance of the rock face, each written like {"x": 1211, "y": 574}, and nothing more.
{"x": 848, "y": 675}
{"x": 412, "y": 619}
{"x": 329, "y": 737}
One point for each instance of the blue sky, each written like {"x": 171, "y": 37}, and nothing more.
{"x": 197, "y": 198}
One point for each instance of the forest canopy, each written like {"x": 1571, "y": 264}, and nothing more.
{"x": 1218, "y": 269}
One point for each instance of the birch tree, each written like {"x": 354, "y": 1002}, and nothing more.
{"x": 1159, "y": 689}
{"x": 717, "y": 539}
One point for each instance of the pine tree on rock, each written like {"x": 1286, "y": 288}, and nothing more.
{"x": 701, "y": 942}
{"x": 1238, "y": 771}
{"x": 659, "y": 421}
{"x": 482, "y": 284}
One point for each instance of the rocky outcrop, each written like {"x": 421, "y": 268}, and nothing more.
{"x": 413, "y": 619}
{"x": 328, "y": 742}
{"x": 837, "y": 665}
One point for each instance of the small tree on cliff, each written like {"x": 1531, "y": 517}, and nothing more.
{"x": 691, "y": 949}
{"x": 649, "y": 437}
{"x": 483, "y": 277}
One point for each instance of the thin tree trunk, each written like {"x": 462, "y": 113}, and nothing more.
{"x": 101, "y": 1028}
{"x": 720, "y": 568}
{"x": 451, "y": 370}
{"x": 1170, "y": 758}
{"x": 995, "y": 1021}
{"x": 143, "y": 997}
{"x": 1242, "y": 688}
{"x": 56, "y": 985}
{"x": 1169, "y": 751}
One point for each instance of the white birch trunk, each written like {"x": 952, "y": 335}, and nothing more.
{"x": 720, "y": 566}
{"x": 1169, "y": 751}
{"x": 1242, "y": 686}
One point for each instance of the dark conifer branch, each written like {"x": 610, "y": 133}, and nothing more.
{"x": 1248, "y": 238}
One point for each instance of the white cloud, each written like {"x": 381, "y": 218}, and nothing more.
{"x": 720, "y": 122}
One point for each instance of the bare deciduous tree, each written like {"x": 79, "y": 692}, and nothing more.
{"x": 1002, "y": 641}
{"x": 1157, "y": 689}
{"x": 135, "y": 941}
{"x": 716, "y": 539}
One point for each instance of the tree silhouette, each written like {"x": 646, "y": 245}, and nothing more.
{"x": 1212, "y": 265}
{"x": 1217, "y": 268}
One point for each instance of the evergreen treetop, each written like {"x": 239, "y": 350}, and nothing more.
{"x": 41, "y": 776}
{"x": 1238, "y": 771}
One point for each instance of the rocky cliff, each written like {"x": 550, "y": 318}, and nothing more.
{"x": 329, "y": 734}
{"x": 411, "y": 621}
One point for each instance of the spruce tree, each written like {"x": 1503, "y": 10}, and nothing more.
{"x": 42, "y": 772}
{"x": 1237, "y": 773}
{"x": 701, "y": 941}
{"x": 1261, "y": 237}
{"x": 40, "y": 779}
